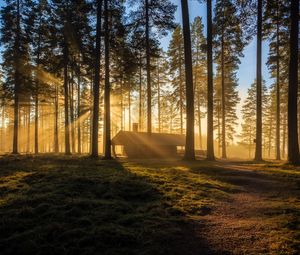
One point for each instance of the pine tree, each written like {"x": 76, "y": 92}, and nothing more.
{"x": 107, "y": 129}
{"x": 258, "y": 142}
{"x": 96, "y": 85}
{"x": 41, "y": 50}
{"x": 69, "y": 33}
{"x": 210, "y": 86}
{"x": 248, "y": 133}
{"x": 189, "y": 87}
{"x": 269, "y": 129}
{"x": 160, "y": 82}
{"x": 177, "y": 69}
{"x": 157, "y": 15}
{"x": 276, "y": 30}
{"x": 15, "y": 38}
{"x": 293, "y": 145}
{"x": 229, "y": 122}
{"x": 200, "y": 70}
{"x": 229, "y": 45}
{"x": 210, "y": 89}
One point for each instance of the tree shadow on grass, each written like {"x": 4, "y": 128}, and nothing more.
{"x": 58, "y": 205}
{"x": 240, "y": 175}
{"x": 241, "y": 204}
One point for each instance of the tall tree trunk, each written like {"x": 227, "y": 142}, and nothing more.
{"x": 36, "y": 119}
{"x": 42, "y": 133}
{"x": 196, "y": 88}
{"x": 258, "y": 149}
{"x": 107, "y": 136}
{"x": 22, "y": 129}
{"x": 129, "y": 109}
{"x": 140, "y": 94}
{"x": 122, "y": 107}
{"x": 219, "y": 129}
{"x": 91, "y": 126}
{"x": 72, "y": 118}
{"x": 66, "y": 100}
{"x": 158, "y": 100}
{"x": 148, "y": 67}
{"x": 28, "y": 129}
{"x": 3, "y": 138}
{"x": 199, "y": 125}
{"x": 17, "y": 83}
{"x": 270, "y": 138}
{"x": 210, "y": 88}
{"x": 250, "y": 142}
{"x": 95, "y": 122}
{"x": 293, "y": 145}
{"x": 298, "y": 119}
{"x": 224, "y": 154}
{"x": 180, "y": 90}
{"x": 56, "y": 148}
{"x": 190, "y": 113}
{"x": 36, "y": 116}
{"x": 79, "y": 112}
{"x": 277, "y": 87}
{"x": 284, "y": 136}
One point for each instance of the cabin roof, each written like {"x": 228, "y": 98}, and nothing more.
{"x": 143, "y": 138}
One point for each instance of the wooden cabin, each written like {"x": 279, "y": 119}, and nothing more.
{"x": 144, "y": 145}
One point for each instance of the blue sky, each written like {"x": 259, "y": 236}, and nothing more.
{"x": 247, "y": 69}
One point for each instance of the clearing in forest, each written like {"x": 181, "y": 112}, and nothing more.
{"x": 76, "y": 205}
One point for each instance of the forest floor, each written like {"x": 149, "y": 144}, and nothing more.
{"x": 77, "y": 205}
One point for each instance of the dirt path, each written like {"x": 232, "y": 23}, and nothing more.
{"x": 252, "y": 221}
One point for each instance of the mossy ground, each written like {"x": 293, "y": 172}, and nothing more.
{"x": 77, "y": 205}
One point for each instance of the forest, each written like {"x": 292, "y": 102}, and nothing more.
{"x": 124, "y": 128}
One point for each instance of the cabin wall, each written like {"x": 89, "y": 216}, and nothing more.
{"x": 143, "y": 151}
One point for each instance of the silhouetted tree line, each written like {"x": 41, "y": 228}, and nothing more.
{"x": 72, "y": 68}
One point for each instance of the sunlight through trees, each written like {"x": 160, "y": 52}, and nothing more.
{"x": 75, "y": 73}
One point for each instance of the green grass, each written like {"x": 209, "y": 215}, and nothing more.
{"x": 77, "y": 205}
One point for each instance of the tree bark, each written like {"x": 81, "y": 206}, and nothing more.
{"x": 66, "y": 100}
{"x": 258, "y": 149}
{"x": 270, "y": 138}
{"x": 293, "y": 145}
{"x": 158, "y": 98}
{"x": 219, "y": 128}
{"x": 224, "y": 154}
{"x": 28, "y": 128}
{"x": 277, "y": 86}
{"x": 210, "y": 89}
{"x": 17, "y": 83}
{"x": 95, "y": 122}
{"x": 42, "y": 133}
{"x": 36, "y": 116}
{"x": 107, "y": 136}
{"x": 129, "y": 109}
{"x": 56, "y": 147}
{"x": 284, "y": 124}
{"x": 72, "y": 118}
{"x": 140, "y": 93}
{"x": 148, "y": 67}
{"x": 190, "y": 112}
{"x": 199, "y": 125}
{"x": 122, "y": 108}
{"x": 36, "y": 120}
{"x": 79, "y": 150}
{"x": 180, "y": 90}
{"x": 3, "y": 138}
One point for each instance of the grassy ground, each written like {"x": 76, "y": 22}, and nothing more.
{"x": 72, "y": 205}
